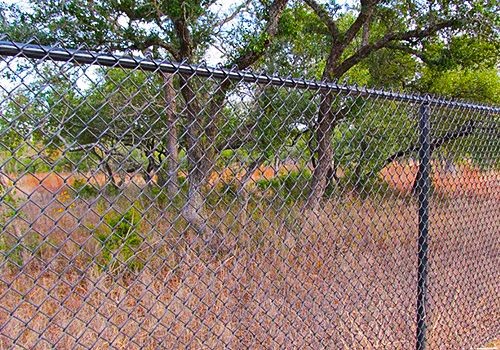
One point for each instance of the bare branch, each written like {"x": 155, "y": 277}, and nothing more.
{"x": 86, "y": 147}
{"x": 465, "y": 130}
{"x": 232, "y": 15}
{"x": 325, "y": 17}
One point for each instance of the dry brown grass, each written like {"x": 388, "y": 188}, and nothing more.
{"x": 341, "y": 277}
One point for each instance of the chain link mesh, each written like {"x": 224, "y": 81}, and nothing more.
{"x": 149, "y": 204}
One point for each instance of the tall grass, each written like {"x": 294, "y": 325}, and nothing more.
{"x": 124, "y": 270}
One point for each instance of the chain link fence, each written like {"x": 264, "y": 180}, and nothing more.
{"x": 149, "y": 204}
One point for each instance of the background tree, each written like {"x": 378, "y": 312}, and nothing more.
{"x": 381, "y": 44}
{"x": 412, "y": 47}
{"x": 182, "y": 30}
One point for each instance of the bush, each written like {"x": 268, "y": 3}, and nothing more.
{"x": 120, "y": 241}
{"x": 292, "y": 186}
{"x": 84, "y": 189}
{"x": 159, "y": 194}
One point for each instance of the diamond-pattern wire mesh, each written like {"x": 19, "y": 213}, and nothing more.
{"x": 149, "y": 205}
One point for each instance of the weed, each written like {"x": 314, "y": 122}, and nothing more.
{"x": 18, "y": 250}
{"x": 11, "y": 251}
{"x": 160, "y": 196}
{"x": 291, "y": 186}
{"x": 10, "y": 247}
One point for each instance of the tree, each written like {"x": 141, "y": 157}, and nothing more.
{"x": 411, "y": 46}
{"x": 351, "y": 37}
{"x": 177, "y": 29}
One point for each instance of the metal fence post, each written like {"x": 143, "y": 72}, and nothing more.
{"x": 423, "y": 187}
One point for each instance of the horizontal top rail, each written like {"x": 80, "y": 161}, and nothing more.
{"x": 10, "y": 48}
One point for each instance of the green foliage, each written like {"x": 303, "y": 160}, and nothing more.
{"x": 11, "y": 251}
{"x": 10, "y": 247}
{"x": 84, "y": 189}
{"x": 388, "y": 69}
{"x": 226, "y": 191}
{"x": 124, "y": 111}
{"x": 478, "y": 86}
{"x": 463, "y": 52}
{"x": 94, "y": 23}
{"x": 291, "y": 186}
{"x": 465, "y": 68}
{"x": 14, "y": 249}
{"x": 120, "y": 241}
{"x": 160, "y": 196}
{"x": 9, "y": 204}
{"x": 371, "y": 133}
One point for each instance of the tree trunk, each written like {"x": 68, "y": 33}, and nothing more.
{"x": 109, "y": 171}
{"x": 324, "y": 152}
{"x": 194, "y": 209}
{"x": 172, "y": 182}
{"x": 327, "y": 120}
{"x": 331, "y": 175}
{"x": 199, "y": 163}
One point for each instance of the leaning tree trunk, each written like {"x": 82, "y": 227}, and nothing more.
{"x": 109, "y": 171}
{"x": 327, "y": 121}
{"x": 172, "y": 139}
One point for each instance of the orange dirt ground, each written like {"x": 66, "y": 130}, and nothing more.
{"x": 467, "y": 179}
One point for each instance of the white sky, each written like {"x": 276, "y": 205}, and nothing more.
{"x": 213, "y": 56}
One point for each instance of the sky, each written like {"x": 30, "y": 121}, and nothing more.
{"x": 212, "y": 57}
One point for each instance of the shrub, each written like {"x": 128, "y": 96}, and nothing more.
{"x": 160, "y": 195}
{"x": 120, "y": 241}
{"x": 84, "y": 189}
{"x": 291, "y": 186}
{"x": 10, "y": 246}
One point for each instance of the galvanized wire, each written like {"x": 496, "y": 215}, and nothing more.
{"x": 155, "y": 204}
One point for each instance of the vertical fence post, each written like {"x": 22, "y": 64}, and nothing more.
{"x": 423, "y": 187}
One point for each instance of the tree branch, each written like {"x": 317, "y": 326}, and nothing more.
{"x": 325, "y": 17}
{"x": 156, "y": 41}
{"x": 467, "y": 129}
{"x": 233, "y": 15}
{"x": 240, "y": 137}
{"x": 367, "y": 7}
{"x": 184, "y": 36}
{"x": 251, "y": 55}
{"x": 389, "y": 38}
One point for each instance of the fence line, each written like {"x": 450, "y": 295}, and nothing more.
{"x": 9, "y": 48}
{"x": 156, "y": 207}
